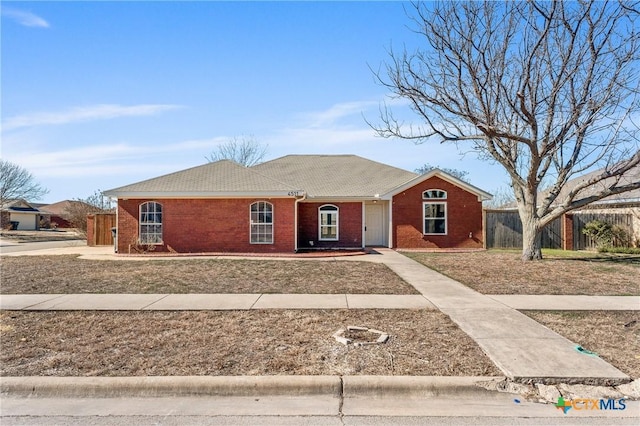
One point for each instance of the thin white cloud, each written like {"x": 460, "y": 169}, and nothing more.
{"x": 339, "y": 127}
{"x": 337, "y": 112}
{"x": 24, "y": 18}
{"x": 87, "y": 113}
{"x": 109, "y": 159}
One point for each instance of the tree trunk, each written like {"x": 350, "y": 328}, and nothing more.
{"x": 531, "y": 240}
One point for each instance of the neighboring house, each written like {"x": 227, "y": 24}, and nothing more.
{"x": 627, "y": 203}
{"x": 59, "y": 212}
{"x": 19, "y": 214}
{"x": 571, "y": 224}
{"x": 298, "y": 202}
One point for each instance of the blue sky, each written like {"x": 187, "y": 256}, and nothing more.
{"x": 96, "y": 95}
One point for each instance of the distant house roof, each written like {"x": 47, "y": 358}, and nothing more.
{"x": 629, "y": 197}
{"x": 18, "y": 205}
{"x": 61, "y": 207}
{"x": 632, "y": 196}
{"x": 318, "y": 176}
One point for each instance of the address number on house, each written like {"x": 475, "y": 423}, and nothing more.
{"x": 295, "y": 193}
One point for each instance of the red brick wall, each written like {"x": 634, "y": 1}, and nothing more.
{"x": 208, "y": 225}
{"x": 567, "y": 231}
{"x": 464, "y": 216}
{"x": 5, "y": 220}
{"x": 349, "y": 225}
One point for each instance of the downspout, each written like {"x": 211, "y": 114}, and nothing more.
{"x": 115, "y": 238}
{"x": 364, "y": 224}
{"x": 295, "y": 221}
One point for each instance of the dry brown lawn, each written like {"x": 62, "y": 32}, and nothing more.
{"x": 502, "y": 272}
{"x": 69, "y": 274}
{"x": 269, "y": 342}
{"x": 613, "y": 335}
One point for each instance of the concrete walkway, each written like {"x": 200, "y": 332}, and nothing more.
{"x": 522, "y": 348}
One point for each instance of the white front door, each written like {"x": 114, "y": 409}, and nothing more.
{"x": 373, "y": 225}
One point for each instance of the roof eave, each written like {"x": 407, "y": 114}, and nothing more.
{"x": 342, "y": 198}
{"x": 203, "y": 194}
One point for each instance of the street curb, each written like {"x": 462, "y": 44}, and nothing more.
{"x": 103, "y": 387}
{"x": 416, "y": 386}
{"x": 158, "y": 386}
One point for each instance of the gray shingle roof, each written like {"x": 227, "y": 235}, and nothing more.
{"x": 221, "y": 177}
{"x": 335, "y": 175}
{"x": 319, "y": 176}
{"x": 629, "y": 197}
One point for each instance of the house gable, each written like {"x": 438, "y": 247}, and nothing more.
{"x": 482, "y": 195}
{"x": 462, "y": 224}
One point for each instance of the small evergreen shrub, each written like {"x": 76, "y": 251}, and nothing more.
{"x": 606, "y": 235}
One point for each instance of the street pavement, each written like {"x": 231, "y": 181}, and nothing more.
{"x": 300, "y": 410}
{"x": 10, "y": 246}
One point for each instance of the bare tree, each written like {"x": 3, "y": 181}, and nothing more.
{"x": 502, "y": 197}
{"x": 16, "y": 182}
{"x": 243, "y": 150}
{"x": 549, "y": 90}
{"x": 78, "y": 209}
{"x": 426, "y": 168}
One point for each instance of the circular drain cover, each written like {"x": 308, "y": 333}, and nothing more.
{"x": 360, "y": 336}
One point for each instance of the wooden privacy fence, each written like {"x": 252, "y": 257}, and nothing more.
{"x": 504, "y": 229}
{"x": 99, "y": 229}
{"x": 583, "y": 242}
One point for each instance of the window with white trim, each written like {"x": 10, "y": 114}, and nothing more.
{"x": 434, "y": 194}
{"x": 150, "y": 222}
{"x": 261, "y": 222}
{"x": 328, "y": 223}
{"x": 435, "y": 218}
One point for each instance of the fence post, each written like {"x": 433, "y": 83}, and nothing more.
{"x": 484, "y": 229}
{"x": 91, "y": 223}
{"x": 567, "y": 231}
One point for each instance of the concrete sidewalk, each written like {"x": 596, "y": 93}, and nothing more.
{"x": 187, "y": 302}
{"x": 231, "y": 301}
{"x": 557, "y": 302}
{"x": 522, "y": 348}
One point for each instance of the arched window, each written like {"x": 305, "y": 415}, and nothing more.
{"x": 434, "y": 194}
{"x": 328, "y": 223}
{"x": 150, "y": 223}
{"x": 261, "y": 222}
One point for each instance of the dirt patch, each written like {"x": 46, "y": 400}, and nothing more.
{"x": 499, "y": 272}
{"x": 233, "y": 343}
{"x": 613, "y": 335}
{"x": 68, "y": 274}
{"x": 43, "y": 235}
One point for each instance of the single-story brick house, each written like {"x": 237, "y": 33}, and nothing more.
{"x": 298, "y": 202}
{"x": 19, "y": 214}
